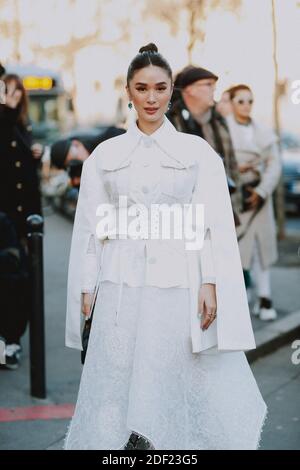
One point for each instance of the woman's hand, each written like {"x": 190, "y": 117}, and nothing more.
{"x": 13, "y": 96}
{"x": 37, "y": 150}
{"x": 86, "y": 303}
{"x": 254, "y": 200}
{"x": 207, "y": 304}
{"x": 243, "y": 167}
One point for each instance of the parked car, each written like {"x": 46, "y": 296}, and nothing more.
{"x": 291, "y": 170}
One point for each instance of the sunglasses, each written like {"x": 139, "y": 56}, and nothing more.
{"x": 244, "y": 101}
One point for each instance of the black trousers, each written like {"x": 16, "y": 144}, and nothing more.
{"x": 15, "y": 303}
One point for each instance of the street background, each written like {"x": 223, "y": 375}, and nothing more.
{"x": 72, "y": 56}
{"x": 278, "y": 378}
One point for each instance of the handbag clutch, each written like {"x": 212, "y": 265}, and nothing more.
{"x": 86, "y": 330}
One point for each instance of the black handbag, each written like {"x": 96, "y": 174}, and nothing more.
{"x": 246, "y": 193}
{"x": 86, "y": 331}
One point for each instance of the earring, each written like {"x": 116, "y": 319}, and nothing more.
{"x": 169, "y": 105}
{"x": 130, "y": 105}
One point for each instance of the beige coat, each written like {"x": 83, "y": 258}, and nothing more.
{"x": 263, "y": 152}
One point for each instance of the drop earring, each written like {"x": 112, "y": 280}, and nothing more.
{"x": 169, "y": 105}
{"x": 130, "y": 105}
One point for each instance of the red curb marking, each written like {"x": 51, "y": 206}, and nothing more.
{"x": 30, "y": 413}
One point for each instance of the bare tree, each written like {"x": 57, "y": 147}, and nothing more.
{"x": 279, "y": 194}
{"x": 67, "y": 52}
{"x": 197, "y": 11}
{"x": 12, "y": 29}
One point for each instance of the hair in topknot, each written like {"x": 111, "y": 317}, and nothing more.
{"x": 151, "y": 47}
{"x": 148, "y": 55}
{"x": 235, "y": 89}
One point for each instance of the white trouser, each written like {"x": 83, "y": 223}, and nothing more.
{"x": 260, "y": 276}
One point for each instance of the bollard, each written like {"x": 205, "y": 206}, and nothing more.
{"x": 37, "y": 325}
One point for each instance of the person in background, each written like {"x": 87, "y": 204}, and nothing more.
{"x": 2, "y": 70}
{"x": 67, "y": 157}
{"x": 193, "y": 110}
{"x": 223, "y": 106}
{"x": 20, "y": 158}
{"x": 19, "y": 188}
{"x": 79, "y": 147}
{"x": 257, "y": 153}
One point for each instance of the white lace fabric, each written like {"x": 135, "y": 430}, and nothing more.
{"x": 141, "y": 376}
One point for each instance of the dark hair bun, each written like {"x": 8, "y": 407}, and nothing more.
{"x": 151, "y": 47}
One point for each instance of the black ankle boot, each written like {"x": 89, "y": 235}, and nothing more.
{"x": 265, "y": 302}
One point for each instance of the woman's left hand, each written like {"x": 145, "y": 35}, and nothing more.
{"x": 207, "y": 304}
{"x": 254, "y": 200}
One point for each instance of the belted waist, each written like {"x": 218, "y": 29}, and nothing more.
{"x": 139, "y": 222}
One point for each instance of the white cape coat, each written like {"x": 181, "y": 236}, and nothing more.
{"x": 233, "y": 324}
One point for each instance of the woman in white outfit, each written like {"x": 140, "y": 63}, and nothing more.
{"x": 165, "y": 359}
{"x": 257, "y": 153}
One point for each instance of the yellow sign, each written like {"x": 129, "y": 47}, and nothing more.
{"x": 37, "y": 83}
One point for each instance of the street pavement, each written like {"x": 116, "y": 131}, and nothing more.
{"x": 30, "y": 423}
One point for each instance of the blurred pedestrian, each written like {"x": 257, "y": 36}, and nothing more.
{"x": 20, "y": 158}
{"x": 257, "y": 153}
{"x": 2, "y": 70}
{"x": 19, "y": 181}
{"x": 79, "y": 146}
{"x": 193, "y": 110}
{"x": 68, "y": 155}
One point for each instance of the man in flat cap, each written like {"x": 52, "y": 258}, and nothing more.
{"x": 193, "y": 111}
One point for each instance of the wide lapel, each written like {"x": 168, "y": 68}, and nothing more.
{"x": 174, "y": 153}
{"x": 117, "y": 152}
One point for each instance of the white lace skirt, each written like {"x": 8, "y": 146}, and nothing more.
{"x": 141, "y": 376}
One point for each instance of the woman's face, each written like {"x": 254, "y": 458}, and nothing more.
{"x": 150, "y": 90}
{"x": 242, "y": 104}
{"x": 13, "y": 89}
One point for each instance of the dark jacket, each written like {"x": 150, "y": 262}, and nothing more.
{"x": 19, "y": 183}
{"x": 216, "y": 132}
{"x": 14, "y": 283}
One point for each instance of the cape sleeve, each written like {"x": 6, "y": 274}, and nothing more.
{"x": 234, "y": 328}
{"x": 271, "y": 173}
{"x": 84, "y": 262}
{"x": 207, "y": 267}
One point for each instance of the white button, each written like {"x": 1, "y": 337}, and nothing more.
{"x": 152, "y": 260}
{"x": 145, "y": 189}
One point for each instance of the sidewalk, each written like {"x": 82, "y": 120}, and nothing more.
{"x": 285, "y": 282}
{"x": 28, "y": 423}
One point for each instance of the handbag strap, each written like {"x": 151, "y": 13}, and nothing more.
{"x": 253, "y": 215}
{"x": 96, "y": 287}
